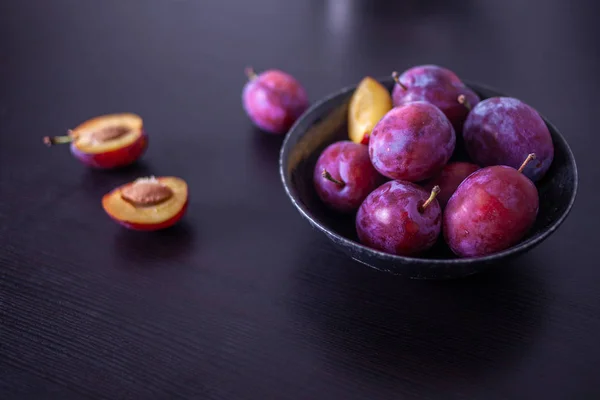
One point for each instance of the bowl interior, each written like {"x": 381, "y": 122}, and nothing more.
{"x": 326, "y": 122}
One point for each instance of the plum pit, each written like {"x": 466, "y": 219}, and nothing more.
{"x": 146, "y": 192}
{"x": 109, "y": 133}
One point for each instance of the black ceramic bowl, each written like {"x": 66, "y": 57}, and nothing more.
{"x": 325, "y": 123}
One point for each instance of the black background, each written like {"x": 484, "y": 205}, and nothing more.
{"x": 243, "y": 300}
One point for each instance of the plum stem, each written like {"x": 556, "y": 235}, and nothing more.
{"x": 463, "y": 100}
{"x": 397, "y": 80}
{"x": 529, "y": 158}
{"x": 434, "y": 192}
{"x": 250, "y": 73}
{"x": 52, "y": 140}
{"x": 330, "y": 178}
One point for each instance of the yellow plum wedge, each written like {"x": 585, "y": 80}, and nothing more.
{"x": 369, "y": 103}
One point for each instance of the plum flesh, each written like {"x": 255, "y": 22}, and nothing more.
{"x": 492, "y": 210}
{"x": 412, "y": 142}
{"x": 273, "y": 100}
{"x": 393, "y": 219}
{"x": 438, "y": 86}
{"x": 503, "y": 130}
{"x": 344, "y": 176}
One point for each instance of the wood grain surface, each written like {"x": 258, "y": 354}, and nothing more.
{"x": 243, "y": 300}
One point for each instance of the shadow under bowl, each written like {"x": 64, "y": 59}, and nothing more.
{"x": 326, "y": 122}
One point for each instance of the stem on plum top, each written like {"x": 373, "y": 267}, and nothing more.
{"x": 463, "y": 100}
{"x": 529, "y": 158}
{"x": 52, "y": 140}
{"x": 434, "y": 192}
{"x": 328, "y": 176}
{"x": 250, "y": 73}
{"x": 397, "y": 80}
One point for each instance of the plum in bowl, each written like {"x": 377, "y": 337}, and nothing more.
{"x": 326, "y": 122}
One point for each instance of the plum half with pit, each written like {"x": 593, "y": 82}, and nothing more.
{"x": 449, "y": 179}
{"x": 412, "y": 142}
{"x": 107, "y": 141}
{"x": 399, "y": 218}
{"x": 273, "y": 100}
{"x": 344, "y": 176}
{"x": 148, "y": 204}
{"x": 503, "y": 131}
{"x": 436, "y": 85}
{"x": 492, "y": 210}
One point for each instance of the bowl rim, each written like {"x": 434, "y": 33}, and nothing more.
{"x": 518, "y": 248}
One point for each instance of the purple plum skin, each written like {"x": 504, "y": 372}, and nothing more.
{"x": 449, "y": 179}
{"x": 438, "y": 86}
{"x": 389, "y": 219}
{"x": 503, "y": 131}
{"x": 274, "y": 100}
{"x": 490, "y": 211}
{"x": 412, "y": 142}
{"x": 348, "y": 162}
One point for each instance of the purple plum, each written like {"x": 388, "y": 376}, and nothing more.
{"x": 503, "y": 130}
{"x": 449, "y": 179}
{"x": 344, "y": 176}
{"x": 412, "y": 142}
{"x": 400, "y": 218}
{"x": 273, "y": 100}
{"x": 490, "y": 211}
{"x": 438, "y": 86}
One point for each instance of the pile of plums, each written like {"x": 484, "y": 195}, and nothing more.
{"x": 395, "y": 172}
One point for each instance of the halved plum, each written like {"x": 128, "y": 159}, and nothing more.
{"x": 106, "y": 141}
{"x": 148, "y": 204}
{"x": 369, "y": 103}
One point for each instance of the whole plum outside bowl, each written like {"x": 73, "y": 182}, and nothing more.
{"x": 325, "y": 122}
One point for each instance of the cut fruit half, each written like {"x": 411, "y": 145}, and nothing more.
{"x": 107, "y": 141}
{"x": 107, "y": 133}
{"x": 148, "y": 203}
{"x": 369, "y": 103}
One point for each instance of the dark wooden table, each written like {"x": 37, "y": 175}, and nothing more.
{"x": 244, "y": 300}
